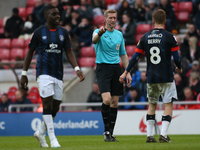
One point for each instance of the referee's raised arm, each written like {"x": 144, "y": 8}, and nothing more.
{"x": 96, "y": 37}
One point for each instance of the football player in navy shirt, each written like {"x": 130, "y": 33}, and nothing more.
{"x": 50, "y": 41}
{"x": 158, "y": 45}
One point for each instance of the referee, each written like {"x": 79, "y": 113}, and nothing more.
{"x": 109, "y": 47}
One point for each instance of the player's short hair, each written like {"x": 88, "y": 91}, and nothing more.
{"x": 159, "y": 16}
{"x": 48, "y": 7}
{"x": 109, "y": 11}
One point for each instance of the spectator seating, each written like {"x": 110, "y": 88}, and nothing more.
{"x": 12, "y": 89}
{"x": 142, "y": 28}
{"x": 1, "y": 22}
{"x": 183, "y": 17}
{"x": 11, "y": 93}
{"x": 137, "y": 38}
{"x": 26, "y": 42}
{"x": 1, "y": 30}
{"x": 5, "y": 43}
{"x": 33, "y": 98}
{"x": 12, "y": 97}
{"x": 185, "y": 7}
{"x": 5, "y": 61}
{"x": 17, "y": 52}
{"x": 98, "y": 20}
{"x": 86, "y": 61}
{"x": 76, "y": 7}
{"x": 17, "y": 43}
{"x": 29, "y": 10}
{"x": 87, "y": 52}
{"x": 130, "y": 50}
{"x": 4, "y": 53}
{"x": 22, "y": 11}
{"x": 110, "y": 2}
{"x": 176, "y": 6}
{"x": 31, "y": 3}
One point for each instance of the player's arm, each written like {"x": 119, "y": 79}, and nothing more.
{"x": 32, "y": 46}
{"x": 174, "y": 51}
{"x": 177, "y": 60}
{"x": 131, "y": 64}
{"x": 27, "y": 61}
{"x": 72, "y": 60}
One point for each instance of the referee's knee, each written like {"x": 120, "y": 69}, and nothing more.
{"x": 107, "y": 100}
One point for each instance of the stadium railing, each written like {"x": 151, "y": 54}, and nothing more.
{"x": 63, "y": 105}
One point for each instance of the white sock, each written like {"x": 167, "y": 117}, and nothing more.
{"x": 150, "y": 124}
{"x": 165, "y": 125}
{"x": 50, "y": 127}
{"x": 43, "y": 128}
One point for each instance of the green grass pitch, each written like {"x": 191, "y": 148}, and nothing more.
{"x": 179, "y": 142}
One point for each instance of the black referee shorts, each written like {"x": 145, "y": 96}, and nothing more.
{"x": 108, "y": 79}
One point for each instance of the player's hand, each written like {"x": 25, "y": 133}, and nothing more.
{"x": 80, "y": 75}
{"x": 179, "y": 71}
{"x": 128, "y": 79}
{"x": 24, "y": 82}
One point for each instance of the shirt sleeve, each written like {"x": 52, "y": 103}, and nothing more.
{"x": 140, "y": 45}
{"x": 122, "y": 50}
{"x": 95, "y": 31}
{"x": 67, "y": 44}
{"x": 174, "y": 46}
{"x": 34, "y": 41}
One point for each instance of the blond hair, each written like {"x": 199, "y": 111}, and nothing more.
{"x": 109, "y": 11}
{"x": 137, "y": 6}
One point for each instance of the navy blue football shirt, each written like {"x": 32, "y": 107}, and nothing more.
{"x": 50, "y": 44}
{"x": 158, "y": 44}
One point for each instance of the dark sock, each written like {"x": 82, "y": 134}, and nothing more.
{"x": 113, "y": 117}
{"x": 105, "y": 111}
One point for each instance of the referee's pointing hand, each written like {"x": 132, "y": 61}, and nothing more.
{"x": 102, "y": 29}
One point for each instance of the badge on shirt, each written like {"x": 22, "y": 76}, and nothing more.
{"x": 117, "y": 46}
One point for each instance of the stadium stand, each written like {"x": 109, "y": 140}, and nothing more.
{"x": 185, "y": 6}
{"x": 87, "y": 52}
{"x": 98, "y": 20}
{"x": 1, "y": 22}
{"x": 11, "y": 93}
{"x": 137, "y": 38}
{"x": 17, "y": 52}
{"x": 31, "y": 3}
{"x": 5, "y": 43}
{"x": 143, "y": 28}
{"x": 1, "y": 30}
{"x": 175, "y": 5}
{"x": 4, "y": 53}
{"x": 76, "y": 7}
{"x": 29, "y": 10}
{"x": 17, "y": 43}
{"x": 86, "y": 61}
{"x": 130, "y": 50}
{"x": 26, "y": 42}
{"x": 22, "y": 12}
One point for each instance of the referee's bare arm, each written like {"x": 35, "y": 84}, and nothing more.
{"x": 125, "y": 60}
{"x": 96, "y": 36}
